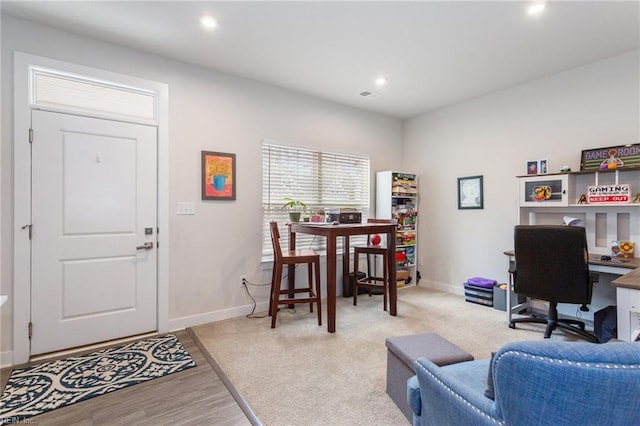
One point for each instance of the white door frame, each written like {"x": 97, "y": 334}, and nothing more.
{"x": 22, "y": 191}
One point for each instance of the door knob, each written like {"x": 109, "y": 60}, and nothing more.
{"x": 146, "y": 246}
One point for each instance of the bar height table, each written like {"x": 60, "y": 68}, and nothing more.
{"x": 331, "y": 233}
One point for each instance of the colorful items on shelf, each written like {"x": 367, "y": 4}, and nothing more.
{"x": 622, "y": 248}
{"x": 404, "y": 184}
{"x": 405, "y": 256}
{"x": 406, "y": 238}
{"x": 402, "y": 277}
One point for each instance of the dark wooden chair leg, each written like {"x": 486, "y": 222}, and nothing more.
{"x": 356, "y": 260}
{"x": 318, "y": 292}
{"x": 369, "y": 271}
{"x": 273, "y": 284}
{"x": 385, "y": 283}
{"x": 310, "y": 281}
{"x": 276, "y": 294}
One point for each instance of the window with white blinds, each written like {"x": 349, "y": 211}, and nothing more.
{"x": 322, "y": 180}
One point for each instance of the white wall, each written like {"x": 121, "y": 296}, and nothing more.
{"x": 597, "y": 105}
{"x": 555, "y": 118}
{"x": 207, "y": 111}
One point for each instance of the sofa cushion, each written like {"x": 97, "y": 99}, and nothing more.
{"x": 471, "y": 373}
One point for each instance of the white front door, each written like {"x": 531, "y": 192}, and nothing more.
{"x": 94, "y": 206}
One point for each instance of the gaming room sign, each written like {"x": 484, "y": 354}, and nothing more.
{"x": 609, "y": 194}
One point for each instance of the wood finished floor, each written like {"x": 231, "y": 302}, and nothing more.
{"x": 197, "y": 396}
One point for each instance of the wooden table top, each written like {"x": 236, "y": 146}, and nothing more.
{"x": 629, "y": 280}
{"x": 341, "y": 229}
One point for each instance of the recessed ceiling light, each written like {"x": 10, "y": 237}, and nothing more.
{"x": 536, "y": 7}
{"x": 381, "y": 81}
{"x": 208, "y": 22}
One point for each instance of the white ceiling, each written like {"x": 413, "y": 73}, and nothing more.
{"x": 434, "y": 54}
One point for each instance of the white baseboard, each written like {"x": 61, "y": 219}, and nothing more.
{"x": 454, "y": 289}
{"x": 6, "y": 359}
{"x": 207, "y": 317}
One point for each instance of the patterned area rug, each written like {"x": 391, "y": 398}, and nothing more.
{"x": 45, "y": 387}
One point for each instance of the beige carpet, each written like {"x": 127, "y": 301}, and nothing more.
{"x": 298, "y": 374}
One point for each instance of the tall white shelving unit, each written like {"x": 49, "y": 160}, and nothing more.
{"x": 397, "y": 198}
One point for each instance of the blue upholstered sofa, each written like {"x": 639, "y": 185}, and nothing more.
{"x": 535, "y": 383}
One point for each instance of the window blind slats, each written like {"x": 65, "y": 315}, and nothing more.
{"x": 321, "y": 180}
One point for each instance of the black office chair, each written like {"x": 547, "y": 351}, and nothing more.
{"x": 552, "y": 265}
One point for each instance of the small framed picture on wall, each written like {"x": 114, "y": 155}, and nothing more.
{"x": 218, "y": 176}
{"x": 470, "y": 193}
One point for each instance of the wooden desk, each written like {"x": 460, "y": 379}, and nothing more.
{"x": 627, "y": 268}
{"x": 628, "y": 300}
{"x": 331, "y": 233}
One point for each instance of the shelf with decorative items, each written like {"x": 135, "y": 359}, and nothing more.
{"x": 591, "y": 188}
{"x": 397, "y": 198}
{"x": 603, "y": 201}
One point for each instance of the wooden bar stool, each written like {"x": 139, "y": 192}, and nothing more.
{"x": 293, "y": 257}
{"x": 370, "y": 281}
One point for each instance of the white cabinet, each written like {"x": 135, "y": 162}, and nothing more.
{"x": 628, "y": 310}
{"x": 397, "y": 198}
{"x": 546, "y": 199}
{"x": 546, "y": 191}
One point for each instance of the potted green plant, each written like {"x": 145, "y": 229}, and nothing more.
{"x": 295, "y": 207}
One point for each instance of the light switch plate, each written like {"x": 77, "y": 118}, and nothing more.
{"x": 186, "y": 208}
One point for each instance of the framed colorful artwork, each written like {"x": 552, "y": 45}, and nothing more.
{"x": 218, "y": 176}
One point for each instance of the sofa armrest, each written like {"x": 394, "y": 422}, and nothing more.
{"x": 454, "y": 394}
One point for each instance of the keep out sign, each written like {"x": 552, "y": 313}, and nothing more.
{"x": 609, "y": 194}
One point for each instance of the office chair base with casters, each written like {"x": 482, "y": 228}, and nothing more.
{"x": 553, "y": 322}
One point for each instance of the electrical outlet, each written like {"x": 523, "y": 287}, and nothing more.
{"x": 243, "y": 279}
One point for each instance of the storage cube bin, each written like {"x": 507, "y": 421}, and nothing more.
{"x": 500, "y": 298}
{"x": 479, "y": 295}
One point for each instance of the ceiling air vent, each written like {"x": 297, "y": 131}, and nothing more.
{"x": 369, "y": 95}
